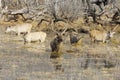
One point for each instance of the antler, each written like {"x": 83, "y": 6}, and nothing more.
{"x": 66, "y": 27}
{"x": 115, "y": 27}
{"x": 52, "y": 24}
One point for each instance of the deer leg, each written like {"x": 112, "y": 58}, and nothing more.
{"x": 104, "y": 41}
{"x": 25, "y": 41}
{"x": 18, "y": 33}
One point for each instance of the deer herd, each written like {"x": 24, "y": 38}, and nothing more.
{"x": 29, "y": 36}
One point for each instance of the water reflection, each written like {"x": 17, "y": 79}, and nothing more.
{"x": 57, "y": 63}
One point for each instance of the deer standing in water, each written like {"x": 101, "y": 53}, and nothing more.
{"x": 56, "y": 44}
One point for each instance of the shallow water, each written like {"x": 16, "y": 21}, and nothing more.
{"x": 32, "y": 61}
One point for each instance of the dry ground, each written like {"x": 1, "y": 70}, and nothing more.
{"x": 87, "y": 61}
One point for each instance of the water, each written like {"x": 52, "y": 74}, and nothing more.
{"x": 32, "y": 61}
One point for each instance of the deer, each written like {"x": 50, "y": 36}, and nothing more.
{"x": 74, "y": 39}
{"x": 97, "y": 35}
{"x": 20, "y": 28}
{"x": 56, "y": 43}
{"x": 34, "y": 36}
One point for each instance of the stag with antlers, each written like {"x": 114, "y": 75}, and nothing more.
{"x": 56, "y": 44}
